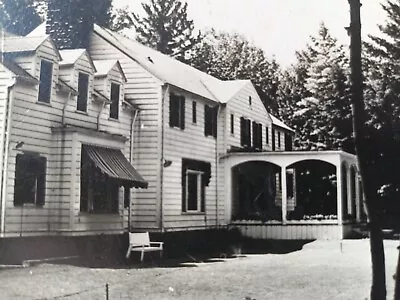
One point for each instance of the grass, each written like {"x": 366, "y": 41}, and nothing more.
{"x": 321, "y": 270}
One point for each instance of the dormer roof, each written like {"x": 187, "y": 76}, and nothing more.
{"x": 103, "y": 67}
{"x": 279, "y": 123}
{"x": 71, "y": 56}
{"x": 18, "y": 72}
{"x": 25, "y": 44}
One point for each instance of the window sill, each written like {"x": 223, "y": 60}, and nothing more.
{"x": 29, "y": 205}
{"x": 44, "y": 103}
{"x": 113, "y": 120}
{"x": 193, "y": 213}
{"x": 82, "y": 112}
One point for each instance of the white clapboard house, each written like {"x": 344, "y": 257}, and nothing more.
{"x": 119, "y": 137}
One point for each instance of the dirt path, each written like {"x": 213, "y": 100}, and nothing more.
{"x": 321, "y": 270}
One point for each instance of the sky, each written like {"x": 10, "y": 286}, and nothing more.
{"x": 279, "y": 27}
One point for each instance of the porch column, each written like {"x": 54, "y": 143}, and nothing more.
{"x": 349, "y": 191}
{"x": 284, "y": 194}
{"x": 358, "y": 198}
{"x": 339, "y": 192}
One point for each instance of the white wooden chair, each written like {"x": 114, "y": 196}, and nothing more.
{"x": 140, "y": 242}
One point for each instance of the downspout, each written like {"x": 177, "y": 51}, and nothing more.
{"x": 162, "y": 158}
{"x": 6, "y": 138}
{"x": 135, "y": 114}
{"x": 216, "y": 170}
{"x": 98, "y": 116}
{"x": 64, "y": 109}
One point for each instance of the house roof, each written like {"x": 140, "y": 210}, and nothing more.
{"x": 279, "y": 123}
{"x": 103, "y": 67}
{"x": 18, "y": 71}
{"x": 225, "y": 90}
{"x": 25, "y": 44}
{"x": 163, "y": 67}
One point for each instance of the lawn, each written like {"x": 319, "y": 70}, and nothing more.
{"x": 321, "y": 270}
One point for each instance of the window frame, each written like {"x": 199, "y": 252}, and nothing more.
{"x": 40, "y": 176}
{"x": 45, "y": 84}
{"x": 83, "y": 96}
{"x": 200, "y": 191}
{"x": 114, "y": 114}
{"x": 176, "y": 111}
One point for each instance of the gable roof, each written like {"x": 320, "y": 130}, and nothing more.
{"x": 25, "y": 44}
{"x": 163, "y": 67}
{"x": 103, "y": 67}
{"x": 279, "y": 123}
{"x": 71, "y": 56}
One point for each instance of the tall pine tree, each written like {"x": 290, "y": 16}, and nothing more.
{"x": 231, "y": 56}
{"x": 165, "y": 27}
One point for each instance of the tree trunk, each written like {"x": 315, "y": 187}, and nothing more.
{"x": 378, "y": 287}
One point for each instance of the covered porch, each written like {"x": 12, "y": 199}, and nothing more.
{"x": 275, "y": 195}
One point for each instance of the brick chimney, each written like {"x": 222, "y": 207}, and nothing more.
{"x": 70, "y": 22}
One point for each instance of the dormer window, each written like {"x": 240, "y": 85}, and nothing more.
{"x": 83, "y": 88}
{"x": 177, "y": 111}
{"x": 114, "y": 106}
{"x": 46, "y": 75}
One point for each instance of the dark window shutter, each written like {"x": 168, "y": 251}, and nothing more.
{"x": 232, "y": 124}
{"x": 248, "y": 133}
{"x": 183, "y": 182}
{"x": 214, "y": 121}
{"x": 83, "y": 86}
{"x": 194, "y": 113}
{"x": 41, "y": 181}
{"x": 19, "y": 190}
{"x": 266, "y": 135}
{"x": 127, "y": 196}
{"x": 173, "y": 111}
{"x": 273, "y": 139}
{"x": 114, "y": 106}
{"x": 182, "y": 112}
{"x": 255, "y": 135}
{"x": 242, "y": 131}
{"x": 207, "y": 120}
{"x": 203, "y": 197}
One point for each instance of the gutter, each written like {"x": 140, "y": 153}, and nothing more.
{"x": 5, "y": 150}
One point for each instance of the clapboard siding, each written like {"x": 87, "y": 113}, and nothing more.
{"x": 144, "y": 91}
{"x": 189, "y": 143}
{"x": 239, "y": 106}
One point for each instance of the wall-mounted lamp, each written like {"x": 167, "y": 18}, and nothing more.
{"x": 167, "y": 163}
{"x": 19, "y": 144}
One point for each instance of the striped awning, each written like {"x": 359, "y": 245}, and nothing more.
{"x": 114, "y": 164}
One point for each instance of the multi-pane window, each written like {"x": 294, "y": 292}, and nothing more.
{"x": 257, "y": 135}
{"x": 114, "y": 97}
{"x": 46, "y": 75}
{"x": 30, "y": 179}
{"x": 176, "y": 111}
{"x": 210, "y": 120}
{"x": 245, "y": 132}
{"x": 83, "y": 89}
{"x": 195, "y": 177}
{"x": 99, "y": 193}
{"x": 194, "y": 112}
{"x": 232, "y": 124}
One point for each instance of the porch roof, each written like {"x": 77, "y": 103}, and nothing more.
{"x": 286, "y": 158}
{"x": 113, "y": 163}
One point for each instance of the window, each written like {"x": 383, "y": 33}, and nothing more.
{"x": 194, "y": 117}
{"x": 114, "y": 106}
{"x": 83, "y": 88}
{"x": 99, "y": 193}
{"x": 257, "y": 135}
{"x": 177, "y": 111}
{"x": 279, "y": 140}
{"x": 273, "y": 139}
{"x": 46, "y": 75}
{"x": 30, "y": 179}
{"x": 266, "y": 135}
{"x": 245, "y": 133}
{"x": 288, "y": 142}
{"x": 232, "y": 124}
{"x": 210, "y": 120}
{"x": 195, "y": 177}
